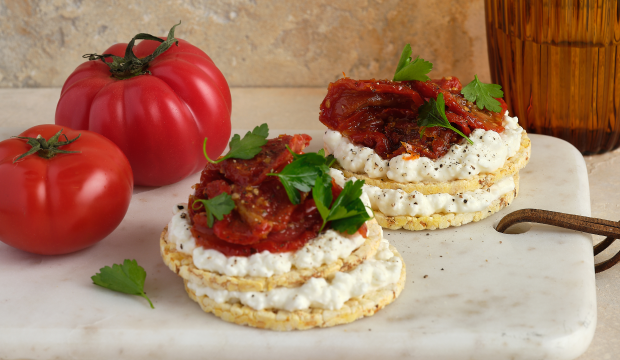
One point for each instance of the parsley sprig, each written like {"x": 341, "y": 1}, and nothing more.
{"x": 310, "y": 172}
{"x": 348, "y": 212}
{"x": 300, "y": 175}
{"x": 217, "y": 206}
{"x": 483, "y": 94}
{"x": 433, "y": 113}
{"x": 409, "y": 69}
{"x": 245, "y": 148}
{"x": 127, "y": 278}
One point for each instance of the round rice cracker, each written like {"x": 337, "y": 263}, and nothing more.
{"x": 480, "y": 181}
{"x": 442, "y": 221}
{"x": 183, "y": 265}
{"x": 283, "y": 320}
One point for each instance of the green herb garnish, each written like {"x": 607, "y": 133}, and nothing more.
{"x": 218, "y": 206}
{"x": 433, "y": 113}
{"x": 127, "y": 278}
{"x": 348, "y": 212}
{"x": 300, "y": 175}
{"x": 409, "y": 69}
{"x": 483, "y": 94}
{"x": 245, "y": 148}
{"x": 310, "y": 172}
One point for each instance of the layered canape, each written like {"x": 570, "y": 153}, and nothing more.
{"x": 430, "y": 158}
{"x": 271, "y": 241}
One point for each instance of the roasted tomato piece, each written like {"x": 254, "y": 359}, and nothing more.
{"x": 234, "y": 230}
{"x": 273, "y": 158}
{"x": 210, "y": 241}
{"x": 265, "y": 202}
{"x": 216, "y": 188}
{"x": 451, "y": 83}
{"x": 476, "y": 118}
{"x": 259, "y": 210}
{"x": 383, "y": 114}
{"x": 458, "y": 122}
{"x": 346, "y": 96}
{"x": 234, "y": 237}
{"x": 263, "y": 218}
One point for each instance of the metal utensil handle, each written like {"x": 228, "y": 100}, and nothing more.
{"x": 590, "y": 225}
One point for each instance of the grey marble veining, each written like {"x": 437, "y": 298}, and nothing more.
{"x": 471, "y": 292}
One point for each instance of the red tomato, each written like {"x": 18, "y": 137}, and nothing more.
{"x": 64, "y": 203}
{"x": 159, "y": 120}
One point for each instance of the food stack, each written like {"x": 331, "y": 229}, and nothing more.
{"x": 255, "y": 250}
{"x": 430, "y": 158}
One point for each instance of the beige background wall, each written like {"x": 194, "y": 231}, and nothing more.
{"x": 253, "y": 42}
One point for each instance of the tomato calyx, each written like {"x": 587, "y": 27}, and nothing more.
{"x": 46, "y": 148}
{"x": 130, "y": 65}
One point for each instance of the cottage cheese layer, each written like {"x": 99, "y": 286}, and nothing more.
{"x": 326, "y": 248}
{"x": 381, "y": 270}
{"x": 463, "y": 161}
{"x": 398, "y": 202}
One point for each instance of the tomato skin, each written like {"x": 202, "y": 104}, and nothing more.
{"x": 65, "y": 203}
{"x": 159, "y": 121}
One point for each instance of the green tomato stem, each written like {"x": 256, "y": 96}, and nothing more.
{"x": 130, "y": 65}
{"x": 46, "y": 149}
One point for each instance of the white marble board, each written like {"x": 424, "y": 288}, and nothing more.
{"x": 471, "y": 293}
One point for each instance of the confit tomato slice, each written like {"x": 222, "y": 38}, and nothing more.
{"x": 264, "y": 219}
{"x": 303, "y": 224}
{"x": 382, "y": 115}
{"x": 457, "y": 104}
{"x": 273, "y": 158}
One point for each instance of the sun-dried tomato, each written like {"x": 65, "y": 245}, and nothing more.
{"x": 383, "y": 114}
{"x": 264, "y": 219}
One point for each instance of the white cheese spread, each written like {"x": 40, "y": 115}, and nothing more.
{"x": 326, "y": 248}
{"x": 381, "y": 270}
{"x": 463, "y": 161}
{"x": 398, "y": 202}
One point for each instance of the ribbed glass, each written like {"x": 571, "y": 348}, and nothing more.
{"x": 557, "y": 62}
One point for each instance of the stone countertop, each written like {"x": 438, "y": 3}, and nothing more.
{"x": 297, "y": 109}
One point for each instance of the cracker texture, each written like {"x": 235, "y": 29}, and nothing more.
{"x": 183, "y": 265}
{"x": 480, "y": 181}
{"x": 442, "y": 221}
{"x": 455, "y": 187}
{"x": 282, "y": 320}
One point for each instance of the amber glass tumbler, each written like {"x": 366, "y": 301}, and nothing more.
{"x": 557, "y": 62}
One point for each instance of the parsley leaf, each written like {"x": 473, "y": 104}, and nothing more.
{"x": 348, "y": 212}
{"x": 322, "y": 195}
{"x": 408, "y": 69}
{"x": 245, "y": 148}
{"x": 310, "y": 172}
{"x": 483, "y": 94}
{"x": 300, "y": 175}
{"x": 433, "y": 113}
{"x": 127, "y": 278}
{"x": 218, "y": 206}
